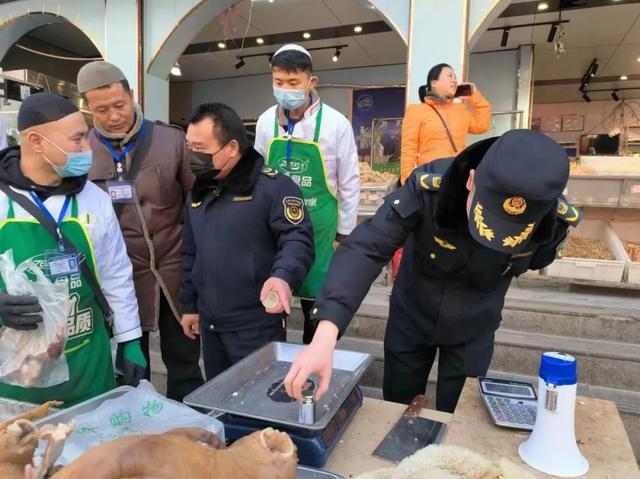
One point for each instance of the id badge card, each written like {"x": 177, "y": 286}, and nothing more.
{"x": 62, "y": 263}
{"x": 120, "y": 191}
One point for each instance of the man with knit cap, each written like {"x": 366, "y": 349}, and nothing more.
{"x": 51, "y": 214}
{"x": 144, "y": 168}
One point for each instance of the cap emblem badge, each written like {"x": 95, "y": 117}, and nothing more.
{"x": 515, "y": 205}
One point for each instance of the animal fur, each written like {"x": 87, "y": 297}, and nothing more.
{"x": 449, "y": 462}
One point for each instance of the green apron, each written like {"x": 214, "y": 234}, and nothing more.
{"x": 303, "y": 162}
{"x": 87, "y": 350}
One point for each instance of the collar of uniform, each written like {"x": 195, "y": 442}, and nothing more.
{"x": 450, "y": 212}
{"x": 240, "y": 181}
{"x": 281, "y": 114}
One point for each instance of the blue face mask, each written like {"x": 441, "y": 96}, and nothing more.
{"x": 78, "y": 163}
{"x": 290, "y": 99}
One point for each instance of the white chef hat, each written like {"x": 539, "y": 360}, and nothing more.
{"x": 292, "y": 46}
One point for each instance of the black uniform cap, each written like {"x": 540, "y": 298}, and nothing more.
{"x": 42, "y": 108}
{"x": 518, "y": 182}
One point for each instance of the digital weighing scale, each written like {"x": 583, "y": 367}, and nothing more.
{"x": 250, "y": 396}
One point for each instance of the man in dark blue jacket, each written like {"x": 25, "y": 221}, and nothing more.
{"x": 248, "y": 242}
{"x": 468, "y": 225}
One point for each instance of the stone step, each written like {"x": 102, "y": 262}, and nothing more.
{"x": 600, "y": 363}
{"x": 539, "y": 310}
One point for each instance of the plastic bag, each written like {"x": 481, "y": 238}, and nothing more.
{"x": 34, "y": 358}
{"x": 139, "y": 411}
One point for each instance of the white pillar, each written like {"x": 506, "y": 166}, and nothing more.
{"x": 525, "y": 85}
{"x": 122, "y": 38}
{"x": 437, "y": 34}
{"x": 156, "y": 98}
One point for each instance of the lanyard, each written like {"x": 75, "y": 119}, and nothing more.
{"x": 47, "y": 213}
{"x": 290, "y": 126}
{"x": 118, "y": 157}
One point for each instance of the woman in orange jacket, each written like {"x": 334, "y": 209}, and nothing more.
{"x": 438, "y": 127}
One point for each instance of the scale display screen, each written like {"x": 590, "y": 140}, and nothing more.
{"x": 506, "y": 389}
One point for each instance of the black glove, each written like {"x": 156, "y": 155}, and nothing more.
{"x": 20, "y": 312}
{"x": 131, "y": 362}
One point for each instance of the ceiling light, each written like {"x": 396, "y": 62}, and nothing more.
{"x": 372, "y": 7}
{"x": 176, "y": 71}
{"x": 259, "y": 41}
{"x": 594, "y": 68}
{"x": 336, "y": 55}
{"x": 222, "y": 45}
{"x": 614, "y": 95}
{"x": 543, "y": 6}
{"x": 270, "y": 1}
{"x": 638, "y": 59}
{"x": 307, "y": 35}
{"x": 552, "y": 33}
{"x": 505, "y": 37}
{"x": 585, "y": 97}
{"x": 357, "y": 29}
{"x": 240, "y": 63}
{"x": 624, "y": 77}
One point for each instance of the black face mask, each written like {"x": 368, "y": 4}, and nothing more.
{"x": 202, "y": 164}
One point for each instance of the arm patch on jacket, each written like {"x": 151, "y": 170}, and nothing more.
{"x": 568, "y": 213}
{"x": 293, "y": 209}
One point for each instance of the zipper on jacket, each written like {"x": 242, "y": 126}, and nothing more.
{"x": 215, "y": 197}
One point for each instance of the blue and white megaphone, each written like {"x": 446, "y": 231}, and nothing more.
{"x": 552, "y": 447}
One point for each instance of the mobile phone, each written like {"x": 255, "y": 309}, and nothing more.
{"x": 464, "y": 89}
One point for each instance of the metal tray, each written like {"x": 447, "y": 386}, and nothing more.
{"x": 66, "y": 415}
{"x": 247, "y": 388}
{"x": 308, "y": 473}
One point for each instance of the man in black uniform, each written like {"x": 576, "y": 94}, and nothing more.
{"x": 247, "y": 240}
{"x": 468, "y": 226}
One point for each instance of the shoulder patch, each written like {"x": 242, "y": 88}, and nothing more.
{"x": 268, "y": 171}
{"x": 428, "y": 181}
{"x": 293, "y": 209}
{"x": 568, "y": 213}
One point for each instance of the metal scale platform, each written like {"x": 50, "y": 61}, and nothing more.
{"x": 250, "y": 396}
